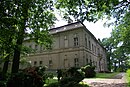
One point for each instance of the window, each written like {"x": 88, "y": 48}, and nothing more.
{"x": 40, "y": 63}
{"x": 76, "y": 61}
{"x": 36, "y": 47}
{"x": 86, "y": 41}
{"x": 98, "y": 52}
{"x": 76, "y": 40}
{"x": 92, "y": 47}
{"x": 35, "y": 63}
{"x": 65, "y": 41}
{"x": 95, "y": 49}
{"x": 90, "y": 61}
{"x": 65, "y": 63}
{"x": 50, "y": 63}
{"x": 89, "y": 45}
{"x": 41, "y": 48}
{"x": 86, "y": 59}
{"x": 30, "y": 46}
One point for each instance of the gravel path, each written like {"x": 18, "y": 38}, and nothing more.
{"x": 117, "y": 81}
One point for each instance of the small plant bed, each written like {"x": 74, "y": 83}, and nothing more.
{"x": 106, "y": 75}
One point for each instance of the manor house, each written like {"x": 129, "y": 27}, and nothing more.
{"x": 73, "y": 46}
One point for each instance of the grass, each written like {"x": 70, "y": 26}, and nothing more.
{"x": 128, "y": 80}
{"x": 128, "y": 76}
{"x": 106, "y": 75}
{"x": 49, "y": 81}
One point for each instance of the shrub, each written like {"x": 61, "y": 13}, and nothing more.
{"x": 3, "y": 79}
{"x": 29, "y": 77}
{"x": 89, "y": 71}
{"x": 71, "y": 77}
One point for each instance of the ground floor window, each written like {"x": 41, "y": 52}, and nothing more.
{"x": 50, "y": 63}
{"x": 76, "y": 62}
{"x": 35, "y": 63}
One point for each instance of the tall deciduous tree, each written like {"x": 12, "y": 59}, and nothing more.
{"x": 34, "y": 15}
{"x": 120, "y": 42}
{"x": 37, "y": 15}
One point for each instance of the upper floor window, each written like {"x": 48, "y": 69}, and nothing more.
{"x": 36, "y": 47}
{"x": 41, "y": 48}
{"x": 89, "y": 45}
{"x": 65, "y": 41}
{"x": 86, "y": 41}
{"x": 76, "y": 43}
{"x": 95, "y": 49}
{"x": 92, "y": 47}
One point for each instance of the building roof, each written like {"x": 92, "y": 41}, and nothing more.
{"x": 67, "y": 27}
{"x": 72, "y": 26}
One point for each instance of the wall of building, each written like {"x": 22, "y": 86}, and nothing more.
{"x": 73, "y": 47}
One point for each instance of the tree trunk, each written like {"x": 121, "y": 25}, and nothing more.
{"x": 17, "y": 50}
{"x": 15, "y": 65}
{"x": 22, "y": 27}
{"x": 5, "y": 67}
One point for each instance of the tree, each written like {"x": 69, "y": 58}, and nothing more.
{"x": 108, "y": 44}
{"x": 118, "y": 45}
{"x": 6, "y": 36}
{"x": 92, "y": 10}
{"x": 35, "y": 15}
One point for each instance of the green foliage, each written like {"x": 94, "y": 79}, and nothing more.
{"x": 128, "y": 76}
{"x": 128, "y": 72}
{"x": 29, "y": 77}
{"x": 70, "y": 77}
{"x": 3, "y": 80}
{"x": 56, "y": 84}
{"x": 19, "y": 17}
{"x": 92, "y": 10}
{"x": 89, "y": 71}
{"x": 118, "y": 45}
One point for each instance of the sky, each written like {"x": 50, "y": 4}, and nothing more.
{"x": 97, "y": 29}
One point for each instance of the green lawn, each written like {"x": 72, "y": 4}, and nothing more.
{"x": 49, "y": 81}
{"x": 128, "y": 76}
{"x": 106, "y": 75}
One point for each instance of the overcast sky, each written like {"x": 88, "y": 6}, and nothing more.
{"x": 97, "y": 29}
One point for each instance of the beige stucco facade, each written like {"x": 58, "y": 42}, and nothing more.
{"x": 73, "y": 45}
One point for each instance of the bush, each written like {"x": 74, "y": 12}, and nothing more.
{"x": 29, "y": 77}
{"x": 89, "y": 71}
{"x": 71, "y": 77}
{"x": 3, "y": 79}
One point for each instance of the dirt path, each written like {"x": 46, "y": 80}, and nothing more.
{"x": 117, "y": 81}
